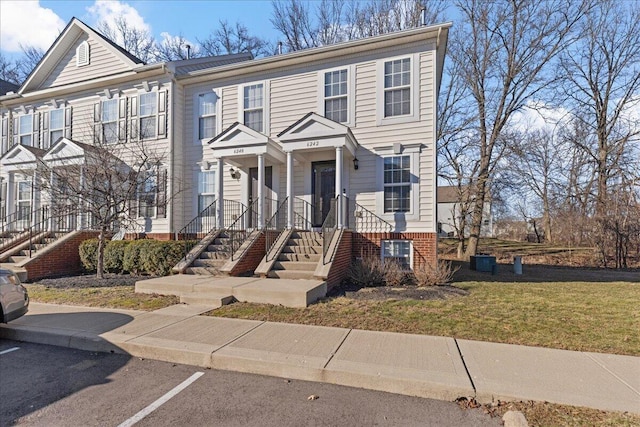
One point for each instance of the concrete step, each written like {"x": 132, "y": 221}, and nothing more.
{"x": 299, "y": 257}
{"x": 218, "y": 248}
{"x": 301, "y": 250}
{"x": 214, "y": 255}
{"x": 208, "y": 262}
{"x": 16, "y": 259}
{"x": 306, "y": 234}
{"x": 203, "y": 271}
{"x": 295, "y": 266}
{"x": 305, "y": 242}
{"x": 289, "y": 274}
{"x": 211, "y": 298}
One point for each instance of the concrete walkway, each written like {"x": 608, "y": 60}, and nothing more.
{"x": 426, "y": 366}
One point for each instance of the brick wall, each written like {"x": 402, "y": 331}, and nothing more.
{"x": 341, "y": 262}
{"x": 62, "y": 259}
{"x": 252, "y": 257}
{"x": 424, "y": 245}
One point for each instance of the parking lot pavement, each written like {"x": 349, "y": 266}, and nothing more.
{"x": 51, "y": 386}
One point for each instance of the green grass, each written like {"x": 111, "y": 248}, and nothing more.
{"x": 122, "y": 297}
{"x": 583, "y": 316}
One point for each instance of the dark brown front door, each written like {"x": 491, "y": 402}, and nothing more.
{"x": 323, "y": 188}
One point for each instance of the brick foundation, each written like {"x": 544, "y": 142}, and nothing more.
{"x": 61, "y": 259}
{"x": 342, "y": 261}
{"x": 252, "y": 257}
{"x": 424, "y": 245}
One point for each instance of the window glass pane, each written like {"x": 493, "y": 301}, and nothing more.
{"x": 207, "y": 127}
{"x": 55, "y": 135}
{"x": 26, "y": 124}
{"x": 398, "y": 250}
{"x": 110, "y": 110}
{"x": 148, "y": 127}
{"x": 25, "y": 140}
{"x": 24, "y": 190}
{"x": 397, "y": 102}
{"x": 110, "y": 133}
{"x": 208, "y": 104}
{"x": 253, "y": 120}
{"x": 253, "y": 96}
{"x": 148, "y": 104}
{"x": 206, "y": 190}
{"x": 56, "y": 119}
{"x": 336, "y": 109}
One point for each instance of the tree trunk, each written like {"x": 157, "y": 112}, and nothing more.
{"x": 100, "y": 263}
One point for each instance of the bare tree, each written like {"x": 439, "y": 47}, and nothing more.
{"x": 138, "y": 42}
{"x": 175, "y": 48}
{"x": 229, "y": 39}
{"x": 502, "y": 49}
{"x": 10, "y": 70}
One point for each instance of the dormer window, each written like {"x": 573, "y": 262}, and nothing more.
{"x": 82, "y": 54}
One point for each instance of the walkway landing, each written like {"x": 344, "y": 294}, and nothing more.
{"x": 217, "y": 291}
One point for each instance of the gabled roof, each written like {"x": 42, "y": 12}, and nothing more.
{"x": 21, "y": 154}
{"x": 65, "y": 149}
{"x": 239, "y": 141}
{"x": 6, "y": 86}
{"x": 63, "y": 43}
{"x": 449, "y": 193}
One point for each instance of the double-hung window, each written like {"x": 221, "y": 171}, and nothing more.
{"x": 397, "y": 87}
{"x": 56, "y": 125}
{"x": 335, "y": 96}
{"x": 147, "y": 189}
{"x": 397, "y": 183}
{"x": 148, "y": 106}
{"x": 206, "y": 191}
{"x": 398, "y": 251}
{"x": 25, "y": 129}
{"x": 207, "y": 103}
{"x": 109, "y": 119}
{"x": 253, "y": 106}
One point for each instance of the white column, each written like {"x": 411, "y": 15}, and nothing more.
{"x": 340, "y": 212}
{"x": 260, "y": 191}
{"x": 34, "y": 199}
{"x": 220, "y": 193}
{"x": 289, "y": 189}
{"x": 51, "y": 196}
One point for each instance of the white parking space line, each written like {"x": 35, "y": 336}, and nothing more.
{"x": 164, "y": 399}
{"x": 9, "y": 350}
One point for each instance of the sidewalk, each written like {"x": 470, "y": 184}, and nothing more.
{"x": 426, "y": 366}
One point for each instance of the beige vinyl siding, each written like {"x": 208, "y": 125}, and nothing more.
{"x": 176, "y": 173}
{"x": 427, "y": 173}
{"x": 291, "y": 98}
{"x": 102, "y": 63}
{"x": 229, "y": 107}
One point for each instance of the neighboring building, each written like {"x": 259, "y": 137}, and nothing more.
{"x": 450, "y": 213}
{"x": 345, "y": 132}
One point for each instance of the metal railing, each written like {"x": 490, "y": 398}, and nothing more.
{"x": 19, "y": 226}
{"x": 364, "y": 220}
{"x": 17, "y": 221}
{"x": 275, "y": 226}
{"x": 54, "y": 222}
{"x": 329, "y": 227}
{"x": 240, "y": 229}
{"x": 193, "y": 231}
{"x": 302, "y": 214}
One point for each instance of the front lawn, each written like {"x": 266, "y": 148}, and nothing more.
{"x": 583, "y": 316}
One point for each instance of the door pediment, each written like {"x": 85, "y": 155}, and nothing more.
{"x": 239, "y": 141}
{"x": 314, "y": 132}
{"x": 21, "y": 156}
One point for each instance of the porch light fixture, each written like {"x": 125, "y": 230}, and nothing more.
{"x": 235, "y": 174}
{"x": 356, "y": 163}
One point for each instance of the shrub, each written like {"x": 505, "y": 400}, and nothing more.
{"x": 430, "y": 275}
{"x": 395, "y": 275}
{"x": 114, "y": 255}
{"x": 159, "y": 257}
{"x": 367, "y": 272}
{"x": 89, "y": 254}
{"x": 131, "y": 261}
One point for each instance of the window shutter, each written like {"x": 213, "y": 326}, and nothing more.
{"x": 97, "y": 127}
{"x": 15, "y": 131}
{"x": 35, "y": 142}
{"x": 67, "y": 122}
{"x": 122, "y": 119}
{"x": 161, "y": 210}
{"x": 4, "y": 140}
{"x": 45, "y": 130}
{"x": 133, "y": 123}
{"x": 162, "y": 113}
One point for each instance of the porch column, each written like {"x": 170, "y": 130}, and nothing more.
{"x": 34, "y": 200}
{"x": 260, "y": 191}
{"x": 51, "y": 197}
{"x": 81, "y": 221}
{"x": 339, "y": 216}
{"x": 11, "y": 199}
{"x": 289, "y": 189}
{"x": 220, "y": 193}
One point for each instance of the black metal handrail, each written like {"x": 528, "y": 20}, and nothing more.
{"x": 329, "y": 227}
{"x": 366, "y": 221}
{"x": 302, "y": 214}
{"x": 193, "y": 231}
{"x": 240, "y": 229}
{"x": 21, "y": 226}
{"x": 55, "y": 222}
{"x": 11, "y": 223}
{"x": 275, "y": 226}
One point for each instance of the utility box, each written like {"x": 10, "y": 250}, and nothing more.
{"x": 484, "y": 263}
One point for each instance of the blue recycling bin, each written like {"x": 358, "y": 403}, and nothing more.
{"x": 483, "y": 263}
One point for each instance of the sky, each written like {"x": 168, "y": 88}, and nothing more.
{"x": 38, "y": 22}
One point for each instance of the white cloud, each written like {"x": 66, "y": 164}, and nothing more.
{"x": 29, "y": 24}
{"x": 537, "y": 115}
{"x": 108, "y": 11}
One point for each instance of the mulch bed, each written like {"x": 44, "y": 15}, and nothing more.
{"x": 91, "y": 281}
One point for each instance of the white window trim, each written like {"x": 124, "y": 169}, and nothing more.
{"x": 51, "y": 129}
{"x": 84, "y": 45}
{"x": 351, "y": 99}
{"x": 196, "y": 109}
{"x": 413, "y": 151}
{"x": 382, "y": 242}
{"x": 265, "y": 106}
{"x": 415, "y": 92}
{"x": 103, "y": 140}
{"x": 140, "y": 116}
{"x": 19, "y": 130}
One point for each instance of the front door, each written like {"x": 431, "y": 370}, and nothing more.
{"x": 323, "y": 188}
{"x": 253, "y": 194}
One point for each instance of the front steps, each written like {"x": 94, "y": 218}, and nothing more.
{"x": 213, "y": 258}
{"x": 299, "y": 257}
